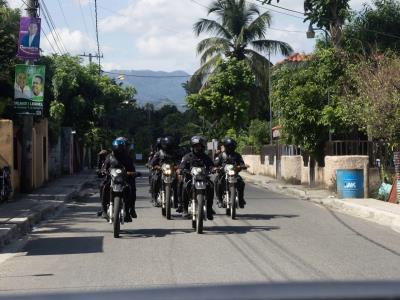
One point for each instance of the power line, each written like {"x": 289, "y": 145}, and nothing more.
{"x": 83, "y": 18}
{"x": 52, "y": 33}
{"x": 51, "y": 45}
{"x": 62, "y": 11}
{"x": 51, "y": 25}
{"x": 281, "y": 7}
{"x": 327, "y": 19}
{"x": 155, "y": 76}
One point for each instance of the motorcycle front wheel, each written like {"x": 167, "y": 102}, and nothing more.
{"x": 117, "y": 221}
{"x": 168, "y": 202}
{"x": 200, "y": 213}
{"x": 232, "y": 201}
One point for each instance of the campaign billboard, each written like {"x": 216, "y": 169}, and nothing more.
{"x": 29, "y": 89}
{"x": 29, "y": 38}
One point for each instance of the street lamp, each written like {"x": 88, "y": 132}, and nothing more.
{"x": 310, "y": 35}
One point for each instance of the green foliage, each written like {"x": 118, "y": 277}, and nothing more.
{"x": 300, "y": 100}
{"x": 372, "y": 99}
{"x": 374, "y": 29}
{"x": 258, "y": 133}
{"x": 226, "y": 98}
{"x": 239, "y": 30}
{"x": 9, "y": 28}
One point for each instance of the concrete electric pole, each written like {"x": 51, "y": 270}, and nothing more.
{"x": 27, "y": 126}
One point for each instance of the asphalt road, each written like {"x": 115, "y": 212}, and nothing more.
{"x": 275, "y": 238}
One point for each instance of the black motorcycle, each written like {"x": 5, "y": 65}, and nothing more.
{"x": 198, "y": 201}
{"x": 119, "y": 191}
{"x": 230, "y": 199}
{"x": 167, "y": 196}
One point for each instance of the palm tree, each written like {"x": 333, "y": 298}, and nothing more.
{"x": 239, "y": 31}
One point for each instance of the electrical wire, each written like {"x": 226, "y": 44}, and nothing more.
{"x": 52, "y": 27}
{"x": 155, "y": 76}
{"x": 83, "y": 18}
{"x": 62, "y": 12}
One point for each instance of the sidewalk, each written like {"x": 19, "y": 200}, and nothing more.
{"x": 377, "y": 211}
{"x": 22, "y": 213}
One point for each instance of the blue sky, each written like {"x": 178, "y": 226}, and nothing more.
{"x": 153, "y": 34}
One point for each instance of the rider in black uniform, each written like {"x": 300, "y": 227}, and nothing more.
{"x": 119, "y": 158}
{"x": 197, "y": 155}
{"x": 229, "y": 156}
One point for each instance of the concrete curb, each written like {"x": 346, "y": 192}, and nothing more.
{"x": 378, "y": 216}
{"x": 24, "y": 223}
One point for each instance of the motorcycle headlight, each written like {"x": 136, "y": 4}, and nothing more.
{"x": 166, "y": 168}
{"x": 230, "y": 170}
{"x": 196, "y": 171}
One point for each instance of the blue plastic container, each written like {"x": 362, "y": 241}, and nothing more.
{"x": 350, "y": 183}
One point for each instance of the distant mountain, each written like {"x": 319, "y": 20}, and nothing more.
{"x": 156, "y": 87}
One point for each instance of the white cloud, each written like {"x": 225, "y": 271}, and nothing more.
{"x": 16, "y": 3}
{"x": 75, "y": 41}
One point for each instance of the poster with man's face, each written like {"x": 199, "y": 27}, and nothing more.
{"x": 29, "y": 38}
{"x": 29, "y": 89}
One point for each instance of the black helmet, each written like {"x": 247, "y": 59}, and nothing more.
{"x": 158, "y": 143}
{"x": 198, "y": 140}
{"x": 229, "y": 145}
{"x": 120, "y": 145}
{"x": 168, "y": 143}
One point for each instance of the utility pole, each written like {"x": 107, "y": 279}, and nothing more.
{"x": 270, "y": 97}
{"x": 90, "y": 55}
{"x": 27, "y": 126}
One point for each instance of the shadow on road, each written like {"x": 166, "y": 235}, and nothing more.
{"x": 152, "y": 232}
{"x": 263, "y": 216}
{"x": 237, "y": 229}
{"x": 65, "y": 245}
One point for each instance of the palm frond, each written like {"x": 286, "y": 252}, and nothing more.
{"x": 210, "y": 26}
{"x": 206, "y": 69}
{"x": 211, "y": 42}
{"x": 257, "y": 28}
{"x": 259, "y": 65}
{"x": 212, "y": 51}
{"x": 273, "y": 46}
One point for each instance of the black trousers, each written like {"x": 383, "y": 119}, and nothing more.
{"x": 105, "y": 193}
{"x": 220, "y": 187}
{"x": 187, "y": 192}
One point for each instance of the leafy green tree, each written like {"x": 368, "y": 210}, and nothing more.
{"x": 9, "y": 28}
{"x": 328, "y": 14}
{"x": 372, "y": 99}
{"x": 239, "y": 31}
{"x": 226, "y": 98}
{"x": 374, "y": 29}
{"x": 301, "y": 102}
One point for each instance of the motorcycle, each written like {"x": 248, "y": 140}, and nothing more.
{"x": 230, "y": 199}
{"x": 119, "y": 190}
{"x": 166, "y": 197}
{"x": 198, "y": 201}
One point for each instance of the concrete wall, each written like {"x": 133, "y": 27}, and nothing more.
{"x": 40, "y": 153}
{"x": 55, "y": 160}
{"x": 7, "y": 150}
{"x": 291, "y": 168}
{"x": 9, "y": 133}
{"x": 294, "y": 171}
{"x": 256, "y": 167}
{"x": 333, "y": 163}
